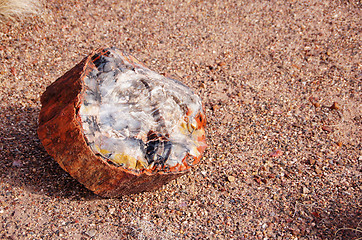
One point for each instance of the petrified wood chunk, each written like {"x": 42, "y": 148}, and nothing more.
{"x": 120, "y": 128}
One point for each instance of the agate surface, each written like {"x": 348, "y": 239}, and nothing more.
{"x": 138, "y": 118}
{"x": 119, "y": 127}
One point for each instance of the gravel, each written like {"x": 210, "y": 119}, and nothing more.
{"x": 281, "y": 82}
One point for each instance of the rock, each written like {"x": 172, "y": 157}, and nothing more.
{"x": 215, "y": 107}
{"x": 120, "y": 128}
{"x": 228, "y": 118}
{"x": 317, "y": 170}
{"x": 220, "y": 64}
{"x": 231, "y": 178}
{"x": 90, "y": 233}
{"x": 315, "y": 102}
{"x": 327, "y": 129}
{"x": 257, "y": 179}
{"x": 335, "y": 106}
{"x": 112, "y": 210}
{"x": 277, "y": 153}
{"x": 17, "y": 163}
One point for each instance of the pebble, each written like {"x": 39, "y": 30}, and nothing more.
{"x": 277, "y": 153}
{"x": 17, "y": 163}
{"x": 327, "y": 129}
{"x": 91, "y": 233}
{"x": 231, "y": 178}
{"x": 112, "y": 210}
{"x": 335, "y": 106}
{"x": 306, "y": 190}
{"x": 315, "y": 102}
{"x": 257, "y": 179}
{"x": 215, "y": 107}
{"x": 318, "y": 170}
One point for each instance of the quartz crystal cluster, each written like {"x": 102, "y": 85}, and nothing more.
{"x": 119, "y": 127}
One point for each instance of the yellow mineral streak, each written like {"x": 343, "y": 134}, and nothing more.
{"x": 183, "y": 128}
{"x": 97, "y": 148}
{"x": 125, "y": 160}
{"x": 192, "y": 125}
{"x": 141, "y": 165}
{"x": 104, "y": 151}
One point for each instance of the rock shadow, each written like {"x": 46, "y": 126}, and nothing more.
{"x": 25, "y": 163}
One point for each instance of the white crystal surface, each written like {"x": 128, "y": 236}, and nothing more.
{"x": 136, "y": 117}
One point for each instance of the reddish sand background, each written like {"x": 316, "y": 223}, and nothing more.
{"x": 281, "y": 162}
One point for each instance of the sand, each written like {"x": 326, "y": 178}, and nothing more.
{"x": 281, "y": 82}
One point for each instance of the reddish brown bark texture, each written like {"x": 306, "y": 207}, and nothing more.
{"x": 61, "y": 135}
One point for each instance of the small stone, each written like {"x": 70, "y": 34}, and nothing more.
{"x": 220, "y": 64}
{"x": 271, "y": 175}
{"x": 317, "y": 170}
{"x": 257, "y": 179}
{"x": 335, "y": 106}
{"x": 311, "y": 161}
{"x": 306, "y": 190}
{"x": 215, "y": 107}
{"x": 316, "y": 214}
{"x": 231, "y": 178}
{"x": 112, "y": 210}
{"x": 315, "y": 102}
{"x": 227, "y": 119}
{"x": 327, "y": 129}
{"x": 91, "y": 233}
{"x": 13, "y": 70}
{"x": 17, "y": 163}
{"x": 203, "y": 173}
{"x": 277, "y": 153}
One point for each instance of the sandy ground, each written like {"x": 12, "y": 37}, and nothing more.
{"x": 281, "y": 82}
